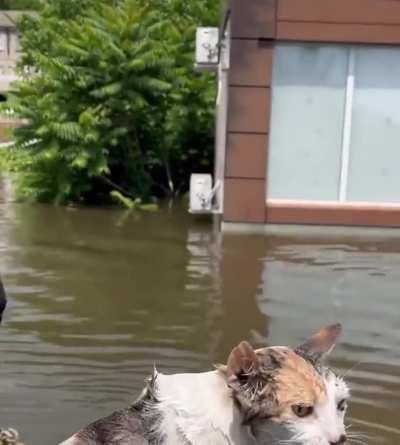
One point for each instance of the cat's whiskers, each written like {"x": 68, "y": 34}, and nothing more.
{"x": 356, "y": 441}
{"x": 357, "y": 435}
{"x": 352, "y": 368}
{"x": 357, "y": 438}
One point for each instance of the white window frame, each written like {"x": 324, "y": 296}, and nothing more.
{"x": 347, "y": 127}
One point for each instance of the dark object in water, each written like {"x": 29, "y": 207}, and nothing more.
{"x": 3, "y": 300}
{"x": 9, "y": 437}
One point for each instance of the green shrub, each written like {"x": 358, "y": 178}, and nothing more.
{"x": 115, "y": 102}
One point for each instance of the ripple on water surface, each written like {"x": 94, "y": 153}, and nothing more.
{"x": 98, "y": 296}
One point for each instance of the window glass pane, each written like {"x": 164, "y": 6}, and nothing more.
{"x": 308, "y": 100}
{"x": 374, "y": 169}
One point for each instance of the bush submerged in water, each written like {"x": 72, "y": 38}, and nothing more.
{"x": 115, "y": 102}
{"x": 132, "y": 204}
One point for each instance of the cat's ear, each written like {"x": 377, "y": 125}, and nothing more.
{"x": 247, "y": 374}
{"x": 241, "y": 361}
{"x": 320, "y": 344}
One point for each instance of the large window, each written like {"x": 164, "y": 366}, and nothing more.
{"x": 335, "y": 126}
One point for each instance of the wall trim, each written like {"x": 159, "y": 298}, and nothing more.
{"x": 368, "y": 214}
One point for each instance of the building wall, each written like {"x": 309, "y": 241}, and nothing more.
{"x": 8, "y": 57}
{"x": 253, "y": 28}
{"x": 9, "y": 54}
{"x": 256, "y": 25}
{"x": 357, "y": 21}
{"x": 9, "y": 46}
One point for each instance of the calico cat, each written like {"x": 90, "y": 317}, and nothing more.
{"x": 267, "y": 396}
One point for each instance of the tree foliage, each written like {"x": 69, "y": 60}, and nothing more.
{"x": 114, "y": 103}
{"x": 19, "y": 4}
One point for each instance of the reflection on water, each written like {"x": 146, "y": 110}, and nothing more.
{"x": 98, "y": 296}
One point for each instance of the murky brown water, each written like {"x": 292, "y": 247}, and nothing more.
{"x": 97, "y": 296}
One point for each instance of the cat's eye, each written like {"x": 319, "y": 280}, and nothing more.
{"x": 342, "y": 405}
{"x": 302, "y": 410}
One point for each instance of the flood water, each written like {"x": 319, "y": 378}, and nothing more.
{"x": 97, "y": 296}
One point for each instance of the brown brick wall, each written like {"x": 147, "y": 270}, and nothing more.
{"x": 353, "y": 21}
{"x": 253, "y": 19}
{"x": 253, "y": 29}
{"x": 374, "y": 12}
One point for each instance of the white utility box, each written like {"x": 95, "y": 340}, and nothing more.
{"x": 201, "y": 193}
{"x": 207, "y": 48}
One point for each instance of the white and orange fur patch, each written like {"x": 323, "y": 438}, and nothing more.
{"x": 299, "y": 382}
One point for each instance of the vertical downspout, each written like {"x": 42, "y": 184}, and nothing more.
{"x": 222, "y": 114}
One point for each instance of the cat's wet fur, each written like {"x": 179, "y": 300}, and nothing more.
{"x": 259, "y": 397}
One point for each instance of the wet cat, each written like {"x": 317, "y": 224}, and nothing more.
{"x": 273, "y": 395}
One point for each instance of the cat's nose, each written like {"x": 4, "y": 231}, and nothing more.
{"x": 341, "y": 441}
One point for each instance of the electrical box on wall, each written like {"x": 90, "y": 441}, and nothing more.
{"x": 203, "y": 195}
{"x": 200, "y": 193}
{"x": 207, "y": 48}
